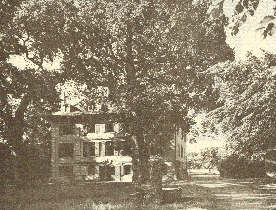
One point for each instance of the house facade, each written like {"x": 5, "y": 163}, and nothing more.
{"x": 84, "y": 147}
{"x": 180, "y": 154}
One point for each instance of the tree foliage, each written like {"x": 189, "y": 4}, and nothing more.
{"x": 201, "y": 43}
{"x": 247, "y": 92}
{"x": 246, "y": 87}
{"x": 207, "y": 158}
{"x": 240, "y": 167}
{"x": 27, "y": 95}
{"x": 252, "y": 20}
{"x": 147, "y": 53}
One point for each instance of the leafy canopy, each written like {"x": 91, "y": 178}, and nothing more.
{"x": 251, "y": 25}
{"x": 247, "y": 92}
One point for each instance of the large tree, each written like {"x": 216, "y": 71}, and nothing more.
{"x": 145, "y": 52}
{"x": 149, "y": 60}
{"x": 27, "y": 95}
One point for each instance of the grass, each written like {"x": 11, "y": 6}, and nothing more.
{"x": 97, "y": 196}
{"x": 89, "y": 204}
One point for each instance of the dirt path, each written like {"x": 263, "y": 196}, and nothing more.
{"x": 231, "y": 194}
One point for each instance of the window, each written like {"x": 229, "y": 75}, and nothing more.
{"x": 109, "y": 148}
{"x": 91, "y": 169}
{"x": 164, "y": 169}
{"x": 91, "y": 128}
{"x": 125, "y": 148}
{"x": 112, "y": 170}
{"x": 100, "y": 148}
{"x": 182, "y": 154}
{"x": 99, "y": 128}
{"x": 66, "y": 130}
{"x": 88, "y": 149}
{"x": 127, "y": 169}
{"x": 109, "y": 127}
{"x": 66, "y": 171}
{"x": 66, "y": 150}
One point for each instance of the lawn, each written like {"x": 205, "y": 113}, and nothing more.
{"x": 96, "y": 196}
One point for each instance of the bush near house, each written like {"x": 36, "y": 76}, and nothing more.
{"x": 37, "y": 166}
{"x": 6, "y": 164}
{"x": 236, "y": 166}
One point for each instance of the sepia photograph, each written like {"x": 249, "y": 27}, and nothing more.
{"x": 137, "y": 104}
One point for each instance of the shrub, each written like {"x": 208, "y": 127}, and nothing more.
{"x": 6, "y": 163}
{"x": 236, "y": 166}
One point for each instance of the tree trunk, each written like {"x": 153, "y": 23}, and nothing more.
{"x": 156, "y": 180}
{"x": 143, "y": 152}
{"x": 135, "y": 161}
{"x": 14, "y": 136}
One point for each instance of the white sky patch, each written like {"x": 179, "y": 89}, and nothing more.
{"x": 21, "y": 62}
{"x": 55, "y": 65}
{"x": 203, "y": 143}
{"x": 70, "y": 91}
{"x": 14, "y": 103}
{"x": 248, "y": 39}
{"x": 205, "y": 139}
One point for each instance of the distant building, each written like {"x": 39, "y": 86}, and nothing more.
{"x": 180, "y": 153}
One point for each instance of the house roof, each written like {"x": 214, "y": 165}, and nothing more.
{"x": 81, "y": 116}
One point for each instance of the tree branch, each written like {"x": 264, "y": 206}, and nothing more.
{"x": 19, "y": 114}
{"x": 39, "y": 64}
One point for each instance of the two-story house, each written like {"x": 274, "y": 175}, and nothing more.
{"x": 83, "y": 147}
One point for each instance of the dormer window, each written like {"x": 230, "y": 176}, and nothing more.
{"x": 91, "y": 128}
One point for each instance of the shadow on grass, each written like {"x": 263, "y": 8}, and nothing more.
{"x": 97, "y": 196}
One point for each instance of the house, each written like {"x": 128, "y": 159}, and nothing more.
{"x": 176, "y": 157}
{"x": 84, "y": 147}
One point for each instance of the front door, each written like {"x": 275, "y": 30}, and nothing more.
{"x": 105, "y": 173}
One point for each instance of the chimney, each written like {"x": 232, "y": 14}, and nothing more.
{"x": 66, "y": 101}
{"x": 62, "y": 103}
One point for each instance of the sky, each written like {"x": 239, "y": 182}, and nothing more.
{"x": 22, "y": 62}
{"x": 204, "y": 139}
{"x": 250, "y": 38}
{"x": 204, "y": 143}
